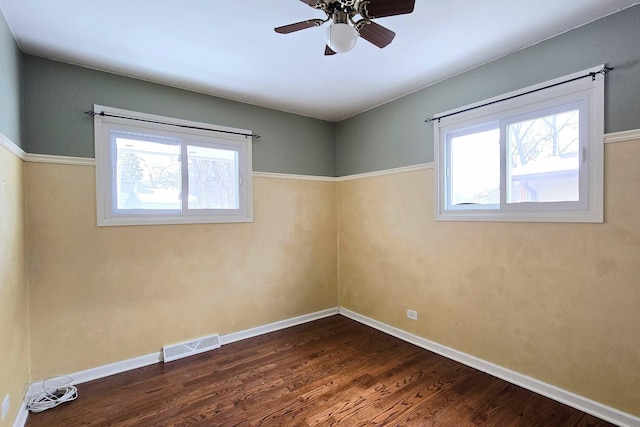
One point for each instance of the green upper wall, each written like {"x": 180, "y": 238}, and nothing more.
{"x": 56, "y": 95}
{"x": 395, "y": 134}
{"x": 10, "y": 64}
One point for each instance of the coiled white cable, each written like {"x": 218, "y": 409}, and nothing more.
{"x": 55, "y": 391}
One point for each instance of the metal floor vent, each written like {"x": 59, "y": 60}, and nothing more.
{"x": 189, "y": 348}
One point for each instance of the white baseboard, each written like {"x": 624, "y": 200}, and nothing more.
{"x": 276, "y": 326}
{"x": 149, "y": 359}
{"x": 21, "y": 417}
{"x": 114, "y": 368}
{"x": 570, "y": 399}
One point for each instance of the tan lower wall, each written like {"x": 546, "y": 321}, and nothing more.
{"x": 14, "y": 315}
{"x": 557, "y": 302}
{"x": 105, "y": 294}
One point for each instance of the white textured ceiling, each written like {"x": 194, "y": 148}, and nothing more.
{"x": 228, "y": 48}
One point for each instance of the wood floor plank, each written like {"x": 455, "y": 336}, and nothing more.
{"x": 533, "y": 412}
{"x": 450, "y": 404}
{"x": 330, "y": 372}
{"x": 418, "y": 388}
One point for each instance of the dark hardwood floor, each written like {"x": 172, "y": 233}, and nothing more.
{"x": 332, "y": 371}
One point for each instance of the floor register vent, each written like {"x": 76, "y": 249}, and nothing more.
{"x": 189, "y": 348}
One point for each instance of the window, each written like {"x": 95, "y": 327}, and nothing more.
{"x": 170, "y": 173}
{"x": 536, "y": 157}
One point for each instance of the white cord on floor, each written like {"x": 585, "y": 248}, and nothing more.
{"x": 57, "y": 391}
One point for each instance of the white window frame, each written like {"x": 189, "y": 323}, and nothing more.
{"x": 586, "y": 93}
{"x": 214, "y": 137}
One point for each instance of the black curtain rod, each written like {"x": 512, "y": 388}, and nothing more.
{"x": 103, "y": 114}
{"x": 592, "y": 74}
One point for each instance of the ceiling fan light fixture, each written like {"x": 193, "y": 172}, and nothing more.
{"x": 341, "y": 38}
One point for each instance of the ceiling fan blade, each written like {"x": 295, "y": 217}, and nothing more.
{"x": 312, "y": 3}
{"x": 380, "y": 8}
{"x": 377, "y": 34}
{"x": 286, "y": 29}
{"x": 328, "y": 51}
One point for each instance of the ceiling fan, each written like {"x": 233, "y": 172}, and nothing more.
{"x": 342, "y": 37}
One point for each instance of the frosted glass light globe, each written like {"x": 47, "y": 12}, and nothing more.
{"x": 341, "y": 38}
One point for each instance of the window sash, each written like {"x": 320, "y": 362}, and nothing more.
{"x": 583, "y": 147}
{"x": 113, "y": 153}
{"x": 239, "y": 176}
{"x": 449, "y": 136}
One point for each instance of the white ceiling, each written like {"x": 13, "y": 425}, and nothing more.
{"x": 228, "y": 47}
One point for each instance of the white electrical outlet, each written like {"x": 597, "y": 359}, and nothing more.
{"x": 5, "y": 406}
{"x": 412, "y": 314}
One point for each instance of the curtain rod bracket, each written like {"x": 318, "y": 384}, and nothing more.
{"x": 604, "y": 71}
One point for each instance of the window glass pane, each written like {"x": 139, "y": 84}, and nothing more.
{"x": 475, "y": 168}
{"x": 147, "y": 172}
{"x": 543, "y": 159}
{"x": 213, "y": 178}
